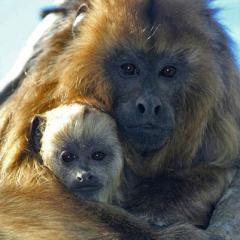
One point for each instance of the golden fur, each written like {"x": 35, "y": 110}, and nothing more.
{"x": 70, "y": 69}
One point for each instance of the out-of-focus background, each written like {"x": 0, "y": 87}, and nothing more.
{"x": 20, "y": 17}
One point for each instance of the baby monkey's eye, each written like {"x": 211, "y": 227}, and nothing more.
{"x": 98, "y": 156}
{"x": 67, "y": 156}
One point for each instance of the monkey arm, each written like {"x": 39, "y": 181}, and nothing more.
{"x": 44, "y": 212}
{"x": 224, "y": 223}
{"x": 226, "y": 216}
{"x": 188, "y": 196}
{"x": 34, "y": 214}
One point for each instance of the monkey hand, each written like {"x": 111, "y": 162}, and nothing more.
{"x": 188, "y": 232}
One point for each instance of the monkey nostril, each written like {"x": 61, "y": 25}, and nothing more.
{"x": 89, "y": 177}
{"x": 80, "y": 179}
{"x": 157, "y": 110}
{"x": 141, "y": 108}
{"x": 84, "y": 177}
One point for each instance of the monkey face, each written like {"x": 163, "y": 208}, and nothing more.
{"x": 80, "y": 146}
{"x": 85, "y": 168}
{"x": 157, "y": 65}
{"x": 144, "y": 97}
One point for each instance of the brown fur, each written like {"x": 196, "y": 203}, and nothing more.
{"x": 70, "y": 68}
{"x": 185, "y": 196}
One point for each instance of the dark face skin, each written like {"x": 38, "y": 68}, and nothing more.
{"x": 83, "y": 170}
{"x": 144, "y": 89}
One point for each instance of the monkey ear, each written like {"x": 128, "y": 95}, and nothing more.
{"x": 81, "y": 13}
{"x": 35, "y": 136}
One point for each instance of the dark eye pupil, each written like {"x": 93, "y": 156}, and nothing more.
{"x": 168, "y": 71}
{"x": 129, "y": 69}
{"x": 67, "y": 156}
{"x": 98, "y": 156}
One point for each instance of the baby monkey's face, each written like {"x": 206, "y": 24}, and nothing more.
{"x": 80, "y": 146}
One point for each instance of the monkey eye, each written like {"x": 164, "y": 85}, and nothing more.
{"x": 98, "y": 156}
{"x": 66, "y": 156}
{"x": 129, "y": 69}
{"x": 168, "y": 71}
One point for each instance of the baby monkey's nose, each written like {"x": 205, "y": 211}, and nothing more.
{"x": 84, "y": 176}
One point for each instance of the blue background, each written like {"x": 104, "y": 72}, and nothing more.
{"x": 20, "y": 17}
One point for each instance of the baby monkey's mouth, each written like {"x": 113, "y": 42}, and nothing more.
{"x": 86, "y": 188}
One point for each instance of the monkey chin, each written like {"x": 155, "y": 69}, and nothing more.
{"x": 97, "y": 195}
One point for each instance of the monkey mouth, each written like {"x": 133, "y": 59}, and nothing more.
{"x": 150, "y": 129}
{"x": 87, "y": 188}
{"x": 148, "y": 138}
{"x": 146, "y": 126}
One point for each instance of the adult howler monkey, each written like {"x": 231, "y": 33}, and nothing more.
{"x": 164, "y": 70}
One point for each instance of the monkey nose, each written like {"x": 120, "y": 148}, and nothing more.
{"x": 84, "y": 176}
{"x": 79, "y": 178}
{"x": 150, "y": 106}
